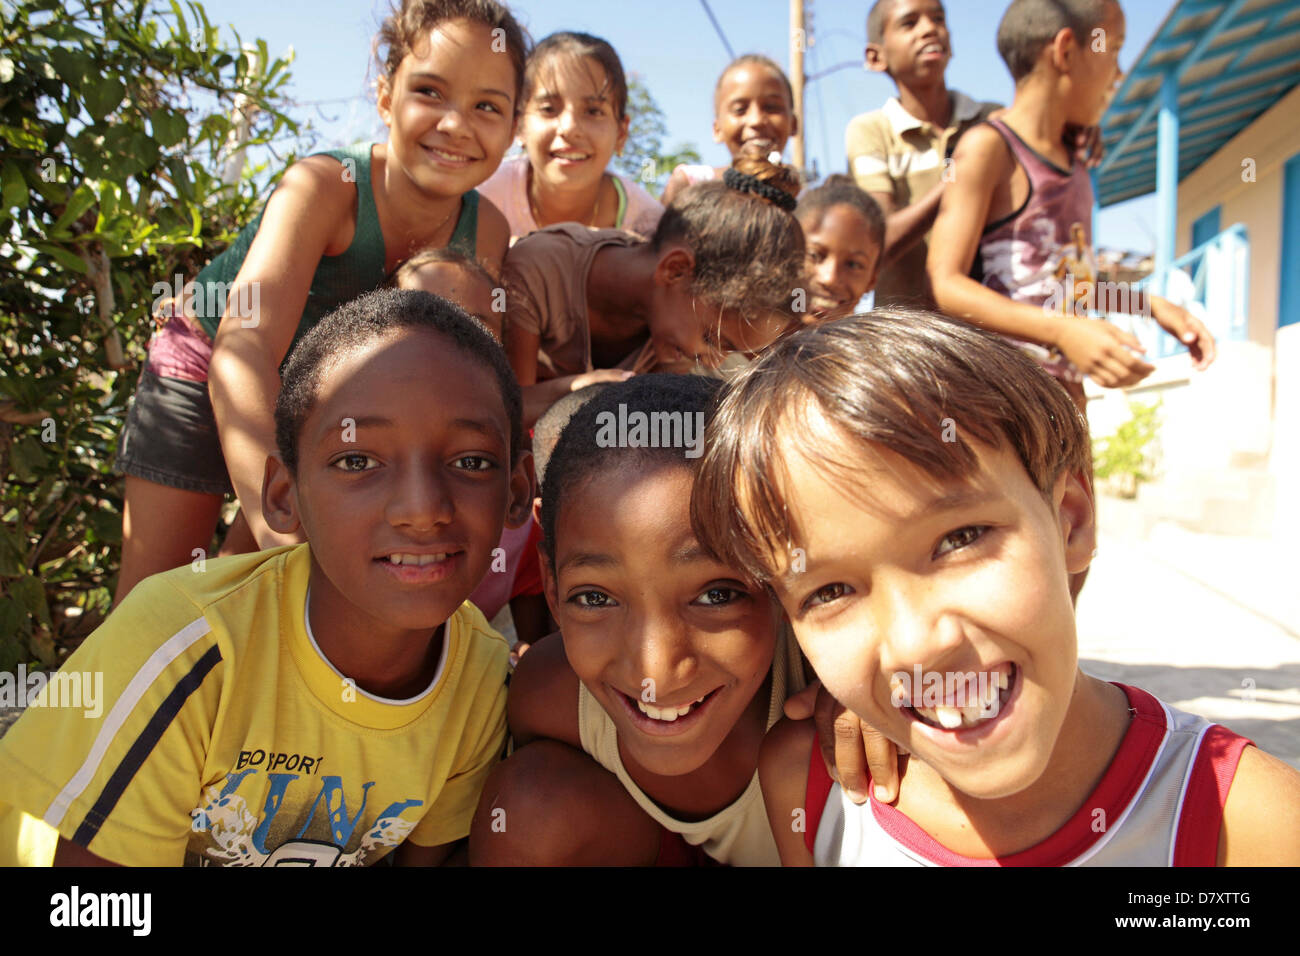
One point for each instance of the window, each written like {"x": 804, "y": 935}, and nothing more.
{"x": 1205, "y": 228}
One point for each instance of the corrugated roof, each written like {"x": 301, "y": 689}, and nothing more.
{"x": 1233, "y": 59}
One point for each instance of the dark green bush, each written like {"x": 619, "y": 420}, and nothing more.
{"x": 117, "y": 120}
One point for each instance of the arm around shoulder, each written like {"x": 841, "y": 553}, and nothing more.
{"x": 783, "y": 772}
{"x": 493, "y": 239}
{"x": 980, "y": 164}
{"x": 543, "y": 699}
{"x": 1261, "y": 816}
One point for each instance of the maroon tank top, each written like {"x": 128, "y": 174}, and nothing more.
{"x": 1042, "y": 254}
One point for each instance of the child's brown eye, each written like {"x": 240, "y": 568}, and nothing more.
{"x": 961, "y": 538}
{"x": 355, "y": 463}
{"x": 592, "y": 599}
{"x": 719, "y": 596}
{"x": 826, "y": 594}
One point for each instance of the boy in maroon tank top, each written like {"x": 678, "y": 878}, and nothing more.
{"x": 1011, "y": 249}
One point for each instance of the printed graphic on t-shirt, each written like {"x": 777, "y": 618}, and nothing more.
{"x": 262, "y": 817}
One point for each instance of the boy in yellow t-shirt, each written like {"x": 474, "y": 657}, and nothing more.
{"x": 320, "y": 704}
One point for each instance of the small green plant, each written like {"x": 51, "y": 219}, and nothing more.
{"x": 1124, "y": 459}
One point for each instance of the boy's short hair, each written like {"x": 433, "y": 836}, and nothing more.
{"x": 841, "y": 190}
{"x": 876, "y": 20}
{"x": 578, "y": 455}
{"x": 1029, "y": 25}
{"x": 548, "y": 428}
{"x": 911, "y": 382}
{"x": 369, "y": 317}
{"x": 432, "y": 255}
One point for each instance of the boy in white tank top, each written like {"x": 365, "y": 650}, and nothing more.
{"x": 915, "y": 492}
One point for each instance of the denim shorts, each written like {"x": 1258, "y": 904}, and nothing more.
{"x": 170, "y": 436}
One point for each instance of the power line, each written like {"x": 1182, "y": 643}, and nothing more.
{"x": 718, "y": 27}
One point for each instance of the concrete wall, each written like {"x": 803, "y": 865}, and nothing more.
{"x": 1270, "y": 141}
{"x": 1229, "y": 452}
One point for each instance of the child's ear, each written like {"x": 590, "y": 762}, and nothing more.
{"x": 675, "y": 266}
{"x": 794, "y": 121}
{"x": 279, "y": 496}
{"x": 521, "y": 491}
{"x": 1062, "y": 49}
{"x": 1076, "y": 515}
{"x": 717, "y": 131}
{"x": 384, "y": 99}
{"x": 875, "y": 58}
{"x": 623, "y": 128}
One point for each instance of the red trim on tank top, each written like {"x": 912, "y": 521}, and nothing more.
{"x": 1118, "y": 787}
{"x": 815, "y": 795}
{"x": 1200, "y": 817}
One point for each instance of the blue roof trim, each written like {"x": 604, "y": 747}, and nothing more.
{"x": 1212, "y": 108}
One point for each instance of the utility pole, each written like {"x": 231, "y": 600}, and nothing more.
{"x": 244, "y": 112}
{"x": 798, "y": 42}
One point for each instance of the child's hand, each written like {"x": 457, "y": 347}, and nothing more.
{"x": 1086, "y": 142}
{"x": 1187, "y": 329}
{"x": 849, "y": 746}
{"x": 597, "y": 376}
{"x": 1103, "y": 352}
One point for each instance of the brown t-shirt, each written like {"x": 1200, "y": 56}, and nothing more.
{"x": 546, "y": 293}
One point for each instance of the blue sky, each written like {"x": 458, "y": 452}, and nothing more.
{"x": 676, "y": 51}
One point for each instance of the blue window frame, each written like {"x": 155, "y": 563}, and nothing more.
{"x": 1206, "y": 228}
{"x": 1288, "y": 306}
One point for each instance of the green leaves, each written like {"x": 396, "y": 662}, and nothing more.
{"x": 13, "y": 187}
{"x": 103, "y": 96}
{"x": 114, "y": 118}
{"x": 169, "y": 127}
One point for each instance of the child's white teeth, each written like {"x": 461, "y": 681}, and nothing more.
{"x": 666, "y": 713}
{"x": 949, "y": 718}
{"x": 1004, "y": 680}
{"x": 416, "y": 560}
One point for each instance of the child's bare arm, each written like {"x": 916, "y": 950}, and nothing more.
{"x": 905, "y": 227}
{"x": 493, "y": 239}
{"x": 783, "y": 773}
{"x": 543, "y": 699}
{"x": 676, "y": 183}
{"x": 301, "y": 219}
{"x": 981, "y": 166}
{"x": 1261, "y": 817}
{"x": 1179, "y": 323}
{"x": 412, "y": 854}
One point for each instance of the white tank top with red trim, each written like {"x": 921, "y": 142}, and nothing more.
{"x": 1160, "y": 803}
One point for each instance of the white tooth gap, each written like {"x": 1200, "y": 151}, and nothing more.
{"x": 948, "y": 717}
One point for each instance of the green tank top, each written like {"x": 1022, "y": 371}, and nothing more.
{"x": 338, "y": 279}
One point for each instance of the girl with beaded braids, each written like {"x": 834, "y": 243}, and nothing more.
{"x": 718, "y": 277}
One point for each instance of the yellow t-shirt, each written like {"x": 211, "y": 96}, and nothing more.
{"x": 223, "y": 736}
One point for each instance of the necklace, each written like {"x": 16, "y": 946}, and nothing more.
{"x": 536, "y": 214}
